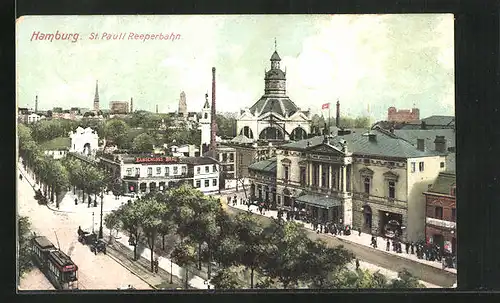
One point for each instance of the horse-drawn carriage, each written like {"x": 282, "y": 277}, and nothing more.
{"x": 90, "y": 238}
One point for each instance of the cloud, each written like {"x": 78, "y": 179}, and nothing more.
{"x": 380, "y": 60}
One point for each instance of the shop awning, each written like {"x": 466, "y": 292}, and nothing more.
{"x": 319, "y": 201}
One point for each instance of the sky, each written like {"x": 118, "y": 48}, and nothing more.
{"x": 367, "y": 62}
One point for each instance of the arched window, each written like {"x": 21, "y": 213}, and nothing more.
{"x": 205, "y": 116}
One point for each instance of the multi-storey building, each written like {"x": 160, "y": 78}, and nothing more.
{"x": 118, "y": 107}
{"x": 403, "y": 115}
{"x": 145, "y": 173}
{"x": 371, "y": 180}
{"x": 441, "y": 213}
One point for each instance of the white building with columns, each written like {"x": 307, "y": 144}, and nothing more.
{"x": 373, "y": 180}
{"x": 274, "y": 116}
{"x": 84, "y": 141}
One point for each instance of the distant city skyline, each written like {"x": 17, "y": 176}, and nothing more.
{"x": 368, "y": 62}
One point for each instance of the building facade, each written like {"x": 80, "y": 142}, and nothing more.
{"x": 441, "y": 213}
{"x": 274, "y": 116}
{"x": 146, "y": 174}
{"x": 118, "y": 107}
{"x": 403, "y": 115}
{"x": 371, "y": 180}
{"x": 85, "y": 141}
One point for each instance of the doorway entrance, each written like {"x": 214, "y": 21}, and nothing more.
{"x": 367, "y": 219}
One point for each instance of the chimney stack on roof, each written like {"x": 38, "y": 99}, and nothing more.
{"x": 440, "y": 144}
{"x": 372, "y": 137}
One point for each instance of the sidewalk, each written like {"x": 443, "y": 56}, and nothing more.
{"x": 164, "y": 263}
{"x": 364, "y": 239}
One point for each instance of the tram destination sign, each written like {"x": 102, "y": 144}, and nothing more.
{"x": 147, "y": 160}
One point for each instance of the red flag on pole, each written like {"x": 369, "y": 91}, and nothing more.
{"x": 325, "y": 106}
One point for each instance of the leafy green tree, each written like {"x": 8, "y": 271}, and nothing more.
{"x": 131, "y": 218}
{"x": 252, "y": 246}
{"x": 116, "y": 131}
{"x": 225, "y": 279}
{"x": 226, "y": 126}
{"x": 60, "y": 180}
{"x": 24, "y": 248}
{"x": 143, "y": 143}
{"x": 362, "y": 122}
{"x": 320, "y": 261}
{"x": 288, "y": 244}
{"x": 184, "y": 254}
{"x": 111, "y": 221}
{"x": 356, "y": 279}
{"x": 406, "y": 280}
{"x": 152, "y": 213}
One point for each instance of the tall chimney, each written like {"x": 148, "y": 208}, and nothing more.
{"x": 36, "y": 104}
{"x": 213, "y": 124}
{"x": 156, "y": 108}
{"x": 131, "y": 105}
{"x": 337, "y": 118}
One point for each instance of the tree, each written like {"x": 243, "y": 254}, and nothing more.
{"x": 252, "y": 247}
{"x": 111, "y": 221}
{"x": 321, "y": 260}
{"x": 143, "y": 143}
{"x": 184, "y": 255}
{"x": 130, "y": 217}
{"x": 362, "y": 122}
{"x": 406, "y": 280}
{"x": 283, "y": 258}
{"x": 60, "y": 180}
{"x": 225, "y": 279}
{"x": 24, "y": 248}
{"x": 116, "y": 130}
{"x": 152, "y": 213}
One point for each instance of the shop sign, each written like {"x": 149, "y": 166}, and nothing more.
{"x": 156, "y": 159}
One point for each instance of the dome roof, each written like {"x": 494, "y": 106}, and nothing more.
{"x": 275, "y": 74}
{"x": 275, "y": 56}
{"x": 280, "y": 105}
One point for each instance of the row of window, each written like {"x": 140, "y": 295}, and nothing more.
{"x": 130, "y": 171}
{"x": 206, "y": 183}
{"x": 391, "y": 186}
{"x": 438, "y": 213}
{"x": 420, "y": 166}
{"x": 224, "y": 157}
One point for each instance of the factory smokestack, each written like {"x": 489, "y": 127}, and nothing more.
{"x": 36, "y": 104}
{"x": 213, "y": 124}
{"x": 131, "y": 105}
{"x": 156, "y": 108}
{"x": 337, "y": 118}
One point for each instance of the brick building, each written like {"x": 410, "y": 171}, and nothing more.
{"x": 118, "y": 107}
{"x": 441, "y": 214}
{"x": 403, "y": 115}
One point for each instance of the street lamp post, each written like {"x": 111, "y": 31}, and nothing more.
{"x": 100, "y": 226}
{"x": 92, "y": 222}
{"x": 171, "y": 274}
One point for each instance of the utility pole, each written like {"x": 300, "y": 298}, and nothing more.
{"x": 100, "y": 227}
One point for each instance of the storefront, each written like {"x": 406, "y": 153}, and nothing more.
{"x": 323, "y": 209}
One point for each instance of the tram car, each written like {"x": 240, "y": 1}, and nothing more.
{"x": 55, "y": 264}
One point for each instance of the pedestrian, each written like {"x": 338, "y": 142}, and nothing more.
{"x": 388, "y": 245}
{"x": 88, "y": 204}
{"x": 357, "y": 264}
{"x": 359, "y": 231}
{"x": 407, "y": 247}
{"x": 412, "y": 248}
{"x": 235, "y": 199}
{"x": 321, "y": 228}
{"x": 76, "y": 201}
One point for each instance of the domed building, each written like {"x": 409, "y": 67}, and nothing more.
{"x": 274, "y": 117}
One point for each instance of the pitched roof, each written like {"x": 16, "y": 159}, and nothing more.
{"x": 268, "y": 165}
{"x": 385, "y": 144}
{"x": 275, "y": 56}
{"x": 242, "y": 139}
{"x": 429, "y": 135}
{"x": 443, "y": 183}
{"x": 322, "y": 201}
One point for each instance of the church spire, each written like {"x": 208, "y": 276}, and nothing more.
{"x": 96, "y": 97}
{"x": 275, "y": 45}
